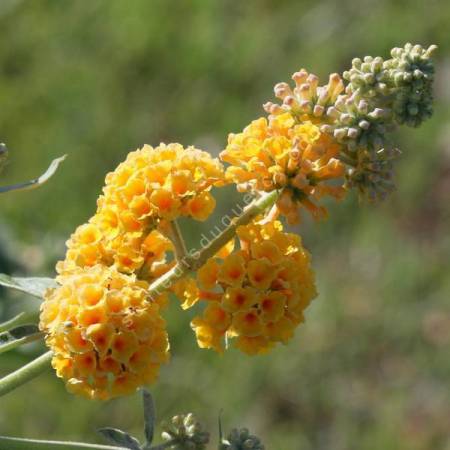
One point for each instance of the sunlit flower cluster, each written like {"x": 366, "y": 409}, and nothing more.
{"x": 152, "y": 186}
{"x": 94, "y": 243}
{"x": 255, "y": 296}
{"x": 106, "y": 337}
{"x": 164, "y": 182}
{"x": 283, "y": 154}
{"x": 103, "y": 322}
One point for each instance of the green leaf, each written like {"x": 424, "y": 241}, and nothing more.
{"x": 35, "y": 286}
{"x": 32, "y": 184}
{"x": 220, "y": 426}
{"x": 149, "y": 416}
{"x": 18, "y": 336}
{"x": 120, "y": 437}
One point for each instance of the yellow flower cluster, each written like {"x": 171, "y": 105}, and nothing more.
{"x": 106, "y": 337}
{"x": 282, "y": 153}
{"x": 164, "y": 182}
{"x": 103, "y": 322}
{"x": 152, "y": 186}
{"x": 95, "y": 243}
{"x": 257, "y": 294}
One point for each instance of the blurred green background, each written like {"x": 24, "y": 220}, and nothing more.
{"x": 370, "y": 368}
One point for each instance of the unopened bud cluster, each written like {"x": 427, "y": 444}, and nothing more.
{"x": 358, "y": 111}
{"x": 241, "y": 440}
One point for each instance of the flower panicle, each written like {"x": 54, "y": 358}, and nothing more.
{"x": 107, "y": 332}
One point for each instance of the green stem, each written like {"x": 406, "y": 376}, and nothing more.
{"x": 346, "y": 159}
{"x": 21, "y": 319}
{"x": 196, "y": 259}
{"x": 25, "y": 373}
{"x": 18, "y": 342}
{"x": 9, "y": 443}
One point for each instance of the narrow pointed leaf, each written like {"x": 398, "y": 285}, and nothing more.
{"x": 37, "y": 181}
{"x": 149, "y": 416}
{"x": 35, "y": 286}
{"x": 119, "y": 437}
{"x": 220, "y": 427}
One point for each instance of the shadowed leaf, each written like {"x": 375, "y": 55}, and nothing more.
{"x": 120, "y": 437}
{"x": 149, "y": 416}
{"x": 35, "y": 286}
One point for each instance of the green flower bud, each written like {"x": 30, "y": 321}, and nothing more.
{"x": 241, "y": 440}
{"x": 185, "y": 433}
{"x": 3, "y": 155}
{"x": 372, "y": 174}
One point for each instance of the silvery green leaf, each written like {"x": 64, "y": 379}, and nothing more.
{"x": 32, "y": 184}
{"x": 120, "y": 437}
{"x": 149, "y": 416}
{"x": 35, "y": 286}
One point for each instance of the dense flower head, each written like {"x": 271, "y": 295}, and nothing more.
{"x": 151, "y": 187}
{"x": 163, "y": 182}
{"x": 106, "y": 336}
{"x": 257, "y": 294}
{"x": 283, "y": 154}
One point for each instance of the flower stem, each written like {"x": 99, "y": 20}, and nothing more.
{"x": 25, "y": 374}
{"x": 9, "y": 443}
{"x": 178, "y": 241}
{"x": 196, "y": 259}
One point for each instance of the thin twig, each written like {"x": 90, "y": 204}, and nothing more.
{"x": 195, "y": 260}
{"x": 178, "y": 242}
{"x": 10, "y": 443}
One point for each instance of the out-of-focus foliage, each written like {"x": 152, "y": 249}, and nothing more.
{"x": 370, "y": 368}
